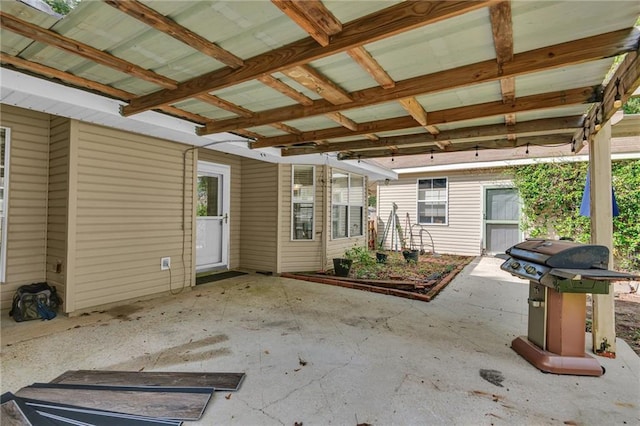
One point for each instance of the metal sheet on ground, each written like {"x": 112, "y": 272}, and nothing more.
{"x": 219, "y": 381}
{"x": 169, "y": 403}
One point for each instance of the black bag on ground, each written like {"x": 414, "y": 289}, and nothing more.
{"x": 35, "y": 301}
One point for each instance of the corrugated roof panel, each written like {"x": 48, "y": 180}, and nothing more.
{"x": 344, "y": 72}
{"x": 28, "y": 13}
{"x": 206, "y": 110}
{"x": 581, "y": 75}
{"x": 463, "y": 96}
{"x": 12, "y": 43}
{"x": 347, "y": 11}
{"x": 567, "y": 111}
{"x": 376, "y": 112}
{"x": 543, "y": 23}
{"x": 268, "y": 131}
{"x": 451, "y": 43}
{"x": 485, "y": 121}
{"x": 254, "y": 96}
{"x": 317, "y": 122}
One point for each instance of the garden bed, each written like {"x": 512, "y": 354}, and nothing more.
{"x": 421, "y": 280}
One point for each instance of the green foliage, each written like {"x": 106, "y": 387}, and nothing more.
{"x": 632, "y": 106}
{"x": 372, "y": 201}
{"x": 552, "y": 192}
{"x": 360, "y": 255}
{"x": 62, "y": 7}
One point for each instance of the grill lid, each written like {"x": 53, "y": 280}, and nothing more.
{"x": 562, "y": 254}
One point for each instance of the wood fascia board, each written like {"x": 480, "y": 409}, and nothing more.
{"x": 312, "y": 16}
{"x": 564, "y": 54}
{"x": 466, "y": 146}
{"x": 563, "y": 125}
{"x": 168, "y": 26}
{"x": 628, "y": 72}
{"x": 42, "y": 35}
{"x": 397, "y": 19}
{"x": 371, "y": 66}
{"x": 527, "y": 103}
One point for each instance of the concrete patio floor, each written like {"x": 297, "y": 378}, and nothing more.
{"x": 368, "y": 358}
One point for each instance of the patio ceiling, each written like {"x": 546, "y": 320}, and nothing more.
{"x": 363, "y": 78}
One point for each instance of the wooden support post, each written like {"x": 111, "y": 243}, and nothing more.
{"x": 603, "y": 327}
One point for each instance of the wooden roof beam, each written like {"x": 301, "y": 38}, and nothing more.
{"x": 550, "y": 57}
{"x": 397, "y": 19}
{"x": 500, "y": 143}
{"x": 563, "y": 125}
{"x": 371, "y": 66}
{"x": 527, "y": 103}
{"x": 313, "y": 17}
{"x": 168, "y": 26}
{"x": 316, "y": 82}
{"x": 37, "y": 33}
{"x": 413, "y": 107}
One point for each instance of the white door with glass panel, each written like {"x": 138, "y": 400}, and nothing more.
{"x": 212, "y": 216}
{"x": 501, "y": 219}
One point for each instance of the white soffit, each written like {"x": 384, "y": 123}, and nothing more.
{"x": 41, "y": 95}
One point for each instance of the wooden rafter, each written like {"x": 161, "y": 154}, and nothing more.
{"x": 574, "y": 52}
{"x": 564, "y": 125}
{"x": 413, "y": 107}
{"x": 90, "y": 84}
{"x": 34, "y": 32}
{"x": 502, "y": 30}
{"x": 527, "y": 103}
{"x": 464, "y": 146}
{"x": 313, "y": 17}
{"x": 168, "y": 26}
{"x": 316, "y": 82}
{"x": 397, "y": 19}
{"x": 285, "y": 89}
{"x": 366, "y": 61}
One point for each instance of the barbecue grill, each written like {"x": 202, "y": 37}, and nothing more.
{"x": 560, "y": 273}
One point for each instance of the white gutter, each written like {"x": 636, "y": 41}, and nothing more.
{"x": 25, "y": 91}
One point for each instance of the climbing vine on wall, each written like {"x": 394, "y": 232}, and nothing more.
{"x": 552, "y": 192}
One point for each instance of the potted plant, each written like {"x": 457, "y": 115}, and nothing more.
{"x": 356, "y": 254}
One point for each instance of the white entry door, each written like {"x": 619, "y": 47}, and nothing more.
{"x": 212, "y": 216}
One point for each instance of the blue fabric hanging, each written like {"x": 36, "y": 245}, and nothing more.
{"x": 585, "y": 206}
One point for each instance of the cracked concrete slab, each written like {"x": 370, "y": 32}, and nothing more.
{"x": 318, "y": 354}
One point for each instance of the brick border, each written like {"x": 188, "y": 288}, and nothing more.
{"x": 383, "y": 290}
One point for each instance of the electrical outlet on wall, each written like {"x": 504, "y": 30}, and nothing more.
{"x": 165, "y": 263}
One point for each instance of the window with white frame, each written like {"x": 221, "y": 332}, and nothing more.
{"x": 303, "y": 192}
{"x": 347, "y": 205}
{"x": 432, "y": 201}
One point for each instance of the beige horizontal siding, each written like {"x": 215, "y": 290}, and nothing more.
{"x": 128, "y": 214}
{"x": 27, "y": 210}
{"x": 463, "y": 234}
{"x": 258, "y": 234}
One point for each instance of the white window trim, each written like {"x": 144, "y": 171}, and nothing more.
{"x": 348, "y": 204}
{"x": 5, "y": 204}
{"x": 313, "y": 221}
{"x": 446, "y": 202}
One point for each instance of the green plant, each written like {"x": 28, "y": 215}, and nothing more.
{"x": 552, "y": 193}
{"x": 359, "y": 255}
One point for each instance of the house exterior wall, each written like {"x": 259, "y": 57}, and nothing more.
{"x": 463, "y": 234}
{"x": 125, "y": 214}
{"x": 58, "y": 197}
{"x": 301, "y": 255}
{"x": 235, "y": 209}
{"x": 27, "y": 209}
{"x": 260, "y": 211}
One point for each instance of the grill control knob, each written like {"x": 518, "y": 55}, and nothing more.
{"x": 530, "y": 269}
{"x": 515, "y": 265}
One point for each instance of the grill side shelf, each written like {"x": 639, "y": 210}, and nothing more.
{"x": 592, "y": 274}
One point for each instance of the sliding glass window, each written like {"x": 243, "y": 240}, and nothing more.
{"x": 303, "y": 192}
